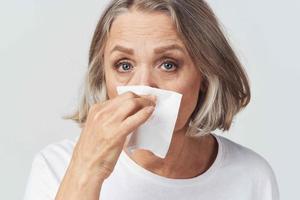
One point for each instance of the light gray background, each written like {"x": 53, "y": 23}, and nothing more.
{"x": 43, "y": 56}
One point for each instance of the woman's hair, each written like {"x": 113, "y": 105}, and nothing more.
{"x": 225, "y": 87}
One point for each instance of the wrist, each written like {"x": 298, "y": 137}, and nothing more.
{"x": 79, "y": 184}
{"x": 84, "y": 175}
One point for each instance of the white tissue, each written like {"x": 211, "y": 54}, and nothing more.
{"x": 156, "y": 133}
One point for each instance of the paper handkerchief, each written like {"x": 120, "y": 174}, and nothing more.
{"x": 156, "y": 133}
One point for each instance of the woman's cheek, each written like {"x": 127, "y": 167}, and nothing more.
{"x": 188, "y": 101}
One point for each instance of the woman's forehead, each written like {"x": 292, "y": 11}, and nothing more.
{"x": 138, "y": 25}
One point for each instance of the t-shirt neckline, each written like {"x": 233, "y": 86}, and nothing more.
{"x": 144, "y": 173}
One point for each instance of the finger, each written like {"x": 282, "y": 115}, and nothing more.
{"x": 127, "y": 95}
{"x": 134, "y": 121}
{"x": 130, "y": 107}
{"x": 123, "y": 97}
{"x": 110, "y": 105}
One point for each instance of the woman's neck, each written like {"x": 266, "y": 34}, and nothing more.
{"x": 186, "y": 158}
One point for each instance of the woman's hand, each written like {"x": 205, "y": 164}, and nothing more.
{"x": 101, "y": 142}
{"x": 106, "y": 129}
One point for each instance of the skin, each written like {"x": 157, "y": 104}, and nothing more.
{"x": 172, "y": 69}
{"x": 109, "y": 123}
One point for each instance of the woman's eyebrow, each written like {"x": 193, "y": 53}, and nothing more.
{"x": 156, "y": 50}
{"x": 122, "y": 49}
{"x": 169, "y": 47}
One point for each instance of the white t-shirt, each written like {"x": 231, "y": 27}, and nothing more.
{"x": 237, "y": 173}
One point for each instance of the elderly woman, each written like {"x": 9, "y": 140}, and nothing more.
{"x": 174, "y": 45}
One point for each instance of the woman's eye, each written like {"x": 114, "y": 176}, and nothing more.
{"x": 123, "y": 66}
{"x": 170, "y": 66}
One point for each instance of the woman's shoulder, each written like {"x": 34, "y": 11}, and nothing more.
{"x": 55, "y": 156}
{"x": 48, "y": 168}
{"x": 245, "y": 159}
{"x": 249, "y": 166}
{"x": 61, "y": 148}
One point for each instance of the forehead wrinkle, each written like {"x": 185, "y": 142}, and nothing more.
{"x": 142, "y": 25}
{"x": 139, "y": 34}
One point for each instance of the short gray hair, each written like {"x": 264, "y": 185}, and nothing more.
{"x": 226, "y": 87}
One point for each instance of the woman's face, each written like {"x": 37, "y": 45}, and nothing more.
{"x": 144, "y": 49}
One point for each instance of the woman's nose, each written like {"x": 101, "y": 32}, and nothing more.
{"x": 144, "y": 76}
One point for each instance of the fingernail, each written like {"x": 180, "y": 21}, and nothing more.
{"x": 153, "y": 97}
{"x": 149, "y": 109}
